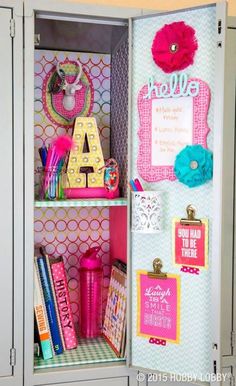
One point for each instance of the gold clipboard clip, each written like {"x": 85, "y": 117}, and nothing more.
{"x": 191, "y": 220}
{"x": 157, "y": 266}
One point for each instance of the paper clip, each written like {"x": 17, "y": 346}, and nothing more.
{"x": 191, "y": 220}
{"x": 157, "y": 266}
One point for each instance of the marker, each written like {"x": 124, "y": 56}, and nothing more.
{"x": 138, "y": 185}
{"x": 133, "y": 186}
{"x": 44, "y": 154}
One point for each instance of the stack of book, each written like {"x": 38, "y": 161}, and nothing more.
{"x": 52, "y": 307}
{"x": 114, "y": 327}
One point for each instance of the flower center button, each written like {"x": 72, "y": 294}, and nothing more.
{"x": 174, "y": 47}
{"x": 193, "y": 165}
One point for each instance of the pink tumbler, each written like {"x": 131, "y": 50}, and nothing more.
{"x": 90, "y": 275}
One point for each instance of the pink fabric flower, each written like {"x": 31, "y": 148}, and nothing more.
{"x": 174, "y": 46}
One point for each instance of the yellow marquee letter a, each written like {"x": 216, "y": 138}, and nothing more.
{"x": 86, "y": 128}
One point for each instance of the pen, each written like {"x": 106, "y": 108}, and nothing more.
{"x": 133, "y": 186}
{"x": 48, "y": 168}
{"x": 44, "y": 153}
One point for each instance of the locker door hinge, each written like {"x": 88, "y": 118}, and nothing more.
{"x": 12, "y": 357}
{"x": 36, "y": 39}
{"x": 12, "y": 28}
{"x": 233, "y": 339}
{"x": 232, "y": 380}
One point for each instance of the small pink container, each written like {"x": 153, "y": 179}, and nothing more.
{"x": 90, "y": 278}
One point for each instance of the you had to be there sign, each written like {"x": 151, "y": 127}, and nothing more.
{"x": 190, "y": 244}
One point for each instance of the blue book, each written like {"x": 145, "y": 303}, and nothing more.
{"x": 49, "y": 304}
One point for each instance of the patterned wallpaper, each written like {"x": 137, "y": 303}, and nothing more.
{"x": 119, "y": 112}
{"x": 98, "y": 68}
{"x": 69, "y": 232}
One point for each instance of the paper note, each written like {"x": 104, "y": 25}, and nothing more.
{"x": 172, "y": 128}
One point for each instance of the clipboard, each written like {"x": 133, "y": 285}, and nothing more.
{"x": 158, "y": 305}
{"x": 190, "y": 242}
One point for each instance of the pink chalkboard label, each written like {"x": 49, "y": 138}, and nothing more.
{"x": 190, "y": 244}
{"x": 159, "y": 307}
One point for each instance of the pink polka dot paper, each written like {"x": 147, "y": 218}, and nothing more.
{"x": 69, "y": 232}
{"x": 97, "y": 68}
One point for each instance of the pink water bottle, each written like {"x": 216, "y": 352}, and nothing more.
{"x": 90, "y": 275}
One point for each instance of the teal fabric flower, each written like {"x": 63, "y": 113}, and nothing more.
{"x": 194, "y": 166}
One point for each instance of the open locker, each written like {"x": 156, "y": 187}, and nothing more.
{"x": 69, "y": 228}
{"x": 116, "y": 55}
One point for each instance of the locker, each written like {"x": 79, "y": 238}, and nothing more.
{"x": 227, "y": 267}
{"x": 114, "y": 46}
{"x": 6, "y": 46}
{"x": 120, "y": 30}
{"x": 123, "y": 43}
{"x": 11, "y": 146}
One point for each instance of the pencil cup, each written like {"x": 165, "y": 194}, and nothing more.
{"x": 38, "y": 177}
{"x": 147, "y": 212}
{"x": 50, "y": 184}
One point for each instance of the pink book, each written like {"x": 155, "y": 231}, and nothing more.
{"x": 63, "y": 302}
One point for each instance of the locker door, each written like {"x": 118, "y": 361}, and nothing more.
{"x": 231, "y": 88}
{"x": 228, "y": 373}
{"x": 228, "y": 266}
{"x": 11, "y": 193}
{"x": 6, "y": 193}
{"x": 195, "y": 347}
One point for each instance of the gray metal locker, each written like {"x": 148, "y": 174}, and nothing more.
{"x": 11, "y": 194}
{"x": 6, "y": 229}
{"x": 228, "y": 247}
{"x": 11, "y": 227}
{"x": 104, "y": 373}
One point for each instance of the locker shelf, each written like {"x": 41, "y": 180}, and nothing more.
{"x": 80, "y": 203}
{"x": 89, "y": 351}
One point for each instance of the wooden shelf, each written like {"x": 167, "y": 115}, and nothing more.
{"x": 79, "y": 203}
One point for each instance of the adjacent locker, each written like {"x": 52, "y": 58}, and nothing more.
{"x": 230, "y": 107}
{"x": 6, "y": 193}
{"x": 228, "y": 202}
{"x": 11, "y": 193}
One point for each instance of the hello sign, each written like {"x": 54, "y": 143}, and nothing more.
{"x": 177, "y": 87}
